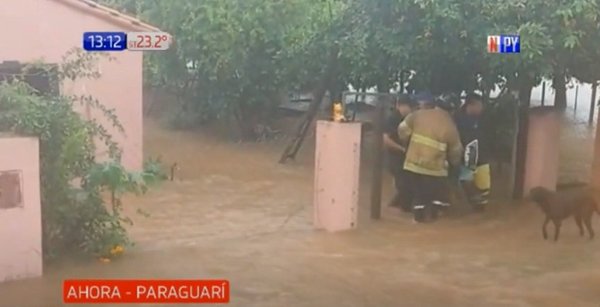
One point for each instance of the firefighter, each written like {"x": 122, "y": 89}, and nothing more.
{"x": 433, "y": 146}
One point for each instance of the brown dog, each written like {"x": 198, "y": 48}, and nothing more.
{"x": 557, "y": 206}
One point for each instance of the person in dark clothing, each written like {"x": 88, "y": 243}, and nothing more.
{"x": 396, "y": 153}
{"x": 475, "y": 169}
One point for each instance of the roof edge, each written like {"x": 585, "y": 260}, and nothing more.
{"x": 108, "y": 14}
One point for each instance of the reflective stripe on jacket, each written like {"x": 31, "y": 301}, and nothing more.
{"x": 433, "y": 142}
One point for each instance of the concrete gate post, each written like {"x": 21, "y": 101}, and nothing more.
{"x": 337, "y": 170}
{"x": 20, "y": 209}
{"x": 543, "y": 149}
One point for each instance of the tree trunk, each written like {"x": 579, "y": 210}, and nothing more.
{"x": 593, "y": 103}
{"x": 514, "y": 146}
{"x": 355, "y": 110}
{"x": 335, "y": 90}
{"x": 377, "y": 179}
{"x": 246, "y": 123}
{"x": 560, "y": 87}
{"x": 525, "y": 85}
{"x": 294, "y": 146}
{"x": 525, "y": 93}
{"x": 402, "y": 81}
{"x": 543, "y": 92}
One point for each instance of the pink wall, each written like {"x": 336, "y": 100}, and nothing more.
{"x": 20, "y": 228}
{"x": 337, "y": 170}
{"x": 596, "y": 158}
{"x": 46, "y": 29}
{"x": 543, "y": 149}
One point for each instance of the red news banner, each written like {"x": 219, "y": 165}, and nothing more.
{"x": 145, "y": 291}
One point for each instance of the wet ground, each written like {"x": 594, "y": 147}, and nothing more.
{"x": 234, "y": 213}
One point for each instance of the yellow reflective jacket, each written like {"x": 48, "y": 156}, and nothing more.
{"x": 433, "y": 142}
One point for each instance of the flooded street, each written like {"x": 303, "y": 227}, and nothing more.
{"x": 234, "y": 213}
{"x": 576, "y": 148}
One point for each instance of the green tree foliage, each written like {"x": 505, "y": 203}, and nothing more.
{"x": 245, "y": 52}
{"x": 75, "y": 217}
{"x": 236, "y": 58}
{"x": 552, "y": 36}
{"x": 232, "y": 57}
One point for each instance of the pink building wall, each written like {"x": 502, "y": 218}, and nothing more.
{"x": 596, "y": 159}
{"x": 20, "y": 228}
{"x": 47, "y": 29}
{"x": 543, "y": 149}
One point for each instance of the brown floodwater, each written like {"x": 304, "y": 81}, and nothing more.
{"x": 233, "y": 212}
{"x": 577, "y": 147}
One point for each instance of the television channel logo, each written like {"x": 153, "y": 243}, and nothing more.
{"x": 504, "y": 44}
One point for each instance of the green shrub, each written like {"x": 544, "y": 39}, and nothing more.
{"x": 76, "y": 217}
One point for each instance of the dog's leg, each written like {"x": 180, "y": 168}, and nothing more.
{"x": 588, "y": 224}
{"x": 580, "y": 225}
{"x": 544, "y": 226}
{"x": 557, "y": 225}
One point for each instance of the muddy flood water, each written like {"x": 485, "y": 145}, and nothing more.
{"x": 234, "y": 213}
